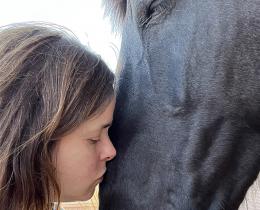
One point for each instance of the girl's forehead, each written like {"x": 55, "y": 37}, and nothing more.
{"x": 98, "y": 122}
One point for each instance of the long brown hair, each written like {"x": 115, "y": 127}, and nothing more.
{"x": 49, "y": 84}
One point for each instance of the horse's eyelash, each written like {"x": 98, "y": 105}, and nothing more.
{"x": 156, "y": 11}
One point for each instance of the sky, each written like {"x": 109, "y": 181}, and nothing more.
{"x": 84, "y": 17}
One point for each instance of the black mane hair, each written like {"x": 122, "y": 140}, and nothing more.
{"x": 116, "y": 10}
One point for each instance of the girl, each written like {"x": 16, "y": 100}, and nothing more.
{"x": 56, "y": 106}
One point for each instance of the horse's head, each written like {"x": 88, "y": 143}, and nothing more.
{"x": 187, "y": 120}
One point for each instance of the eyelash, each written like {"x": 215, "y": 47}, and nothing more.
{"x": 93, "y": 141}
{"x": 156, "y": 9}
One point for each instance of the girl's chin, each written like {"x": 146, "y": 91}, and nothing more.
{"x": 80, "y": 196}
{"x": 88, "y": 196}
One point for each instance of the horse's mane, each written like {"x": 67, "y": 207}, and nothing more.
{"x": 116, "y": 10}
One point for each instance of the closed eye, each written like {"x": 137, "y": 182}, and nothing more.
{"x": 156, "y": 9}
{"x": 93, "y": 141}
{"x": 154, "y": 6}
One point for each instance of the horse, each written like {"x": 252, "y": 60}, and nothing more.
{"x": 187, "y": 119}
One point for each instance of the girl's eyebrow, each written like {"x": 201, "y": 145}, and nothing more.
{"x": 103, "y": 126}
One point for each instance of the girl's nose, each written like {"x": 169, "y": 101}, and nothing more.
{"x": 108, "y": 151}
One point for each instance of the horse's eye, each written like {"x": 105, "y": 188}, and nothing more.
{"x": 153, "y": 7}
{"x": 149, "y": 12}
{"x": 156, "y": 10}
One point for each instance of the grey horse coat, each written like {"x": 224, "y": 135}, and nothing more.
{"x": 187, "y": 120}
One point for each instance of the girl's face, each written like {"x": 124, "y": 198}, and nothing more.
{"x": 81, "y": 156}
